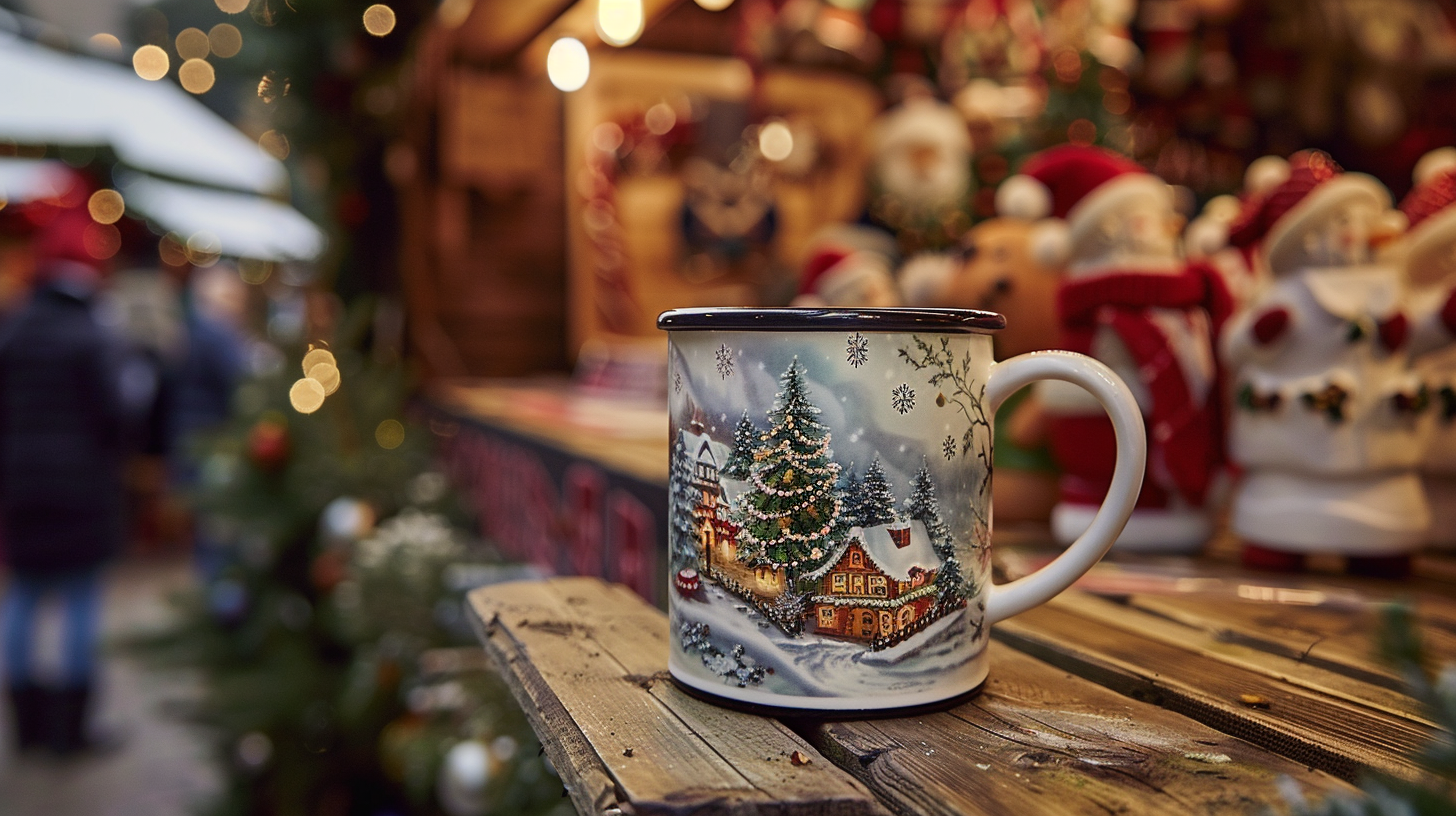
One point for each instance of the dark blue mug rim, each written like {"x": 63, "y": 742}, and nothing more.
{"x": 790, "y": 319}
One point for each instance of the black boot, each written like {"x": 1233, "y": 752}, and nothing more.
{"x": 30, "y": 710}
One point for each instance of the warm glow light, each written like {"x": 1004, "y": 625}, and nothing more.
{"x": 389, "y": 434}
{"x": 192, "y": 44}
{"x": 196, "y": 76}
{"x": 106, "y": 206}
{"x": 619, "y": 22}
{"x": 318, "y": 357}
{"x": 203, "y": 249}
{"x": 171, "y": 250}
{"x": 274, "y": 144}
{"x": 306, "y": 395}
{"x": 715, "y": 5}
{"x": 101, "y": 240}
{"x": 254, "y": 271}
{"x": 150, "y": 62}
{"x": 106, "y": 42}
{"x": 327, "y": 375}
{"x": 775, "y": 141}
{"x": 225, "y": 40}
{"x": 660, "y": 118}
{"x": 233, "y": 6}
{"x": 567, "y": 64}
{"x": 379, "y": 19}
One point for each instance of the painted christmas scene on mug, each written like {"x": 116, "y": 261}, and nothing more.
{"x": 829, "y": 510}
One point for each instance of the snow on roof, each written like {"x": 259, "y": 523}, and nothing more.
{"x": 23, "y": 180}
{"x": 245, "y": 225}
{"x": 55, "y": 98}
{"x": 897, "y": 561}
{"x": 693, "y": 444}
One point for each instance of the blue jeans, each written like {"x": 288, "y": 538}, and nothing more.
{"x": 80, "y": 597}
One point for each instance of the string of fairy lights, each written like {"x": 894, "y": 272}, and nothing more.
{"x": 618, "y": 23}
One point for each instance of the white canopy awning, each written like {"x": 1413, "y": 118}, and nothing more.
{"x": 50, "y": 97}
{"x": 245, "y": 225}
{"x": 23, "y": 180}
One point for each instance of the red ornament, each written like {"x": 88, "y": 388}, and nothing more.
{"x": 268, "y": 445}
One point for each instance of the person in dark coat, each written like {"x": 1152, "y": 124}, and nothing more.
{"x": 61, "y": 496}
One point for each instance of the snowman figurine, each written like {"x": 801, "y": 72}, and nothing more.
{"x": 1429, "y": 260}
{"x": 1129, "y": 299}
{"x": 1326, "y": 412}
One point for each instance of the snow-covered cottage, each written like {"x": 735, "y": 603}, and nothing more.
{"x": 880, "y": 584}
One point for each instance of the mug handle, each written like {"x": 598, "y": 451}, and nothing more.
{"x": 1015, "y": 597}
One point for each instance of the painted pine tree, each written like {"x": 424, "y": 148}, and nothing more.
{"x": 791, "y": 515}
{"x": 682, "y": 497}
{"x": 877, "y": 504}
{"x": 850, "y": 490}
{"x": 924, "y": 506}
{"x": 740, "y": 460}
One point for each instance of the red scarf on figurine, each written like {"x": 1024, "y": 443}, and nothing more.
{"x": 1183, "y": 435}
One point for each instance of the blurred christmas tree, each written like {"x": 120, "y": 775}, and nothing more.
{"x": 319, "y": 637}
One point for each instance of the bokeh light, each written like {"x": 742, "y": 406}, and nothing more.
{"x": 233, "y": 6}
{"x": 225, "y": 40}
{"x": 274, "y": 144}
{"x": 254, "y": 271}
{"x": 715, "y": 5}
{"x": 379, "y": 19}
{"x": 306, "y": 396}
{"x": 106, "y": 42}
{"x": 317, "y": 357}
{"x": 196, "y": 76}
{"x": 660, "y": 118}
{"x": 172, "y": 250}
{"x": 775, "y": 141}
{"x": 567, "y": 64}
{"x": 619, "y": 22}
{"x": 150, "y": 62}
{"x": 101, "y": 240}
{"x": 327, "y": 375}
{"x": 389, "y": 434}
{"x": 106, "y": 206}
{"x": 192, "y": 44}
{"x": 203, "y": 249}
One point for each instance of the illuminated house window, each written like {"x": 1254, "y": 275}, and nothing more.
{"x": 838, "y": 583}
{"x": 856, "y": 584}
{"x": 854, "y": 558}
{"x": 878, "y": 585}
{"x": 826, "y": 616}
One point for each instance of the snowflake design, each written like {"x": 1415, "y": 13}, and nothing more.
{"x": 725, "y": 361}
{"x": 676, "y": 382}
{"x": 902, "y": 399}
{"x": 948, "y": 447}
{"x": 858, "y": 350}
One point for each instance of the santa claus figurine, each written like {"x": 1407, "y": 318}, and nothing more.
{"x": 849, "y": 265}
{"x": 1128, "y": 299}
{"x": 1324, "y": 422}
{"x": 1430, "y": 265}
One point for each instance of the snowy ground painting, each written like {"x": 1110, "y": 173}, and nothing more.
{"x": 814, "y": 666}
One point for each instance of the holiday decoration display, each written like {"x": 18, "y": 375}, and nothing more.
{"x": 801, "y": 580}
{"x": 1430, "y": 271}
{"x": 1000, "y": 272}
{"x": 1129, "y": 300}
{"x": 1326, "y": 416}
{"x": 921, "y": 184}
{"x": 849, "y": 265}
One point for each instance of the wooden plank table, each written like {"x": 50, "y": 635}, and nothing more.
{"x": 1157, "y": 694}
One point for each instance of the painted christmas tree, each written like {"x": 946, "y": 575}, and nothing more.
{"x": 682, "y": 497}
{"x": 791, "y": 515}
{"x": 924, "y": 506}
{"x": 877, "y": 505}
{"x": 850, "y": 492}
{"x": 740, "y": 460}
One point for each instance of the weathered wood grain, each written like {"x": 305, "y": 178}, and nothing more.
{"x": 1309, "y": 727}
{"x": 1039, "y": 740}
{"x": 588, "y": 663}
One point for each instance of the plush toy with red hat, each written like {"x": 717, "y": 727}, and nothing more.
{"x": 849, "y": 265}
{"x": 1429, "y": 260}
{"x": 1130, "y": 300}
{"x": 1326, "y": 412}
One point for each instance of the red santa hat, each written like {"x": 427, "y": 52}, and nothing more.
{"x": 1313, "y": 189}
{"x": 1077, "y": 185}
{"x": 842, "y": 258}
{"x": 1428, "y": 205}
